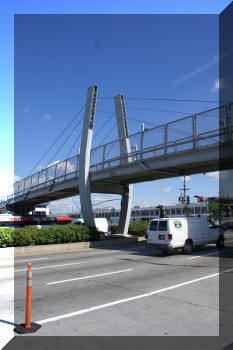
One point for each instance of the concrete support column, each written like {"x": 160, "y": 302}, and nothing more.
{"x": 84, "y": 157}
{"x": 126, "y": 200}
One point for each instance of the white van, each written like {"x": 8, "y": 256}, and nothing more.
{"x": 100, "y": 223}
{"x": 186, "y": 233}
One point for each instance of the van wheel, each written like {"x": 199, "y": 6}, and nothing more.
{"x": 220, "y": 243}
{"x": 188, "y": 247}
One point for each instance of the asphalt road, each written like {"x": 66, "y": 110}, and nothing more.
{"x": 127, "y": 291}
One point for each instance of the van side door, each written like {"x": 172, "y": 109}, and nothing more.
{"x": 213, "y": 231}
{"x": 178, "y": 230}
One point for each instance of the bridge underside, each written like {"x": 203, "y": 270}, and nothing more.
{"x": 114, "y": 180}
{"x": 60, "y": 190}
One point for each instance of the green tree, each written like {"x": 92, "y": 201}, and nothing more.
{"x": 215, "y": 210}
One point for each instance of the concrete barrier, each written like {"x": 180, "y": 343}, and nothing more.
{"x": 53, "y": 248}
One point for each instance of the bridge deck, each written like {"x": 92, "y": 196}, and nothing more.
{"x": 182, "y": 147}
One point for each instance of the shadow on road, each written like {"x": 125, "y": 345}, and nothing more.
{"x": 8, "y": 322}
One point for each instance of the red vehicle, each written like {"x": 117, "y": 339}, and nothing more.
{"x": 200, "y": 199}
{"x": 59, "y": 220}
{"x": 10, "y": 220}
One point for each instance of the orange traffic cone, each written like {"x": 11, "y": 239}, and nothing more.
{"x": 28, "y": 326}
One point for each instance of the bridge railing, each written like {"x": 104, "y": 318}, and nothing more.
{"x": 47, "y": 177}
{"x": 192, "y": 132}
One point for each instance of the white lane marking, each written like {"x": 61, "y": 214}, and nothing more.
{"x": 17, "y": 261}
{"x": 91, "y": 276}
{"x": 48, "y": 267}
{"x": 121, "y": 301}
{"x": 200, "y": 256}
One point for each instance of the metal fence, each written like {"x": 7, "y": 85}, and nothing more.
{"x": 192, "y": 132}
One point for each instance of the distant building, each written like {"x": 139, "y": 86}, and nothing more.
{"x": 41, "y": 210}
{"x": 147, "y": 213}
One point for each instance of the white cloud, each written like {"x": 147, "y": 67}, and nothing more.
{"x": 53, "y": 163}
{"x": 46, "y": 116}
{"x": 27, "y": 109}
{"x": 70, "y": 167}
{"x": 66, "y": 205}
{"x": 17, "y": 178}
{"x": 142, "y": 203}
{"x": 6, "y": 182}
{"x": 113, "y": 200}
{"x": 40, "y": 167}
{"x": 187, "y": 178}
{"x": 215, "y": 175}
{"x": 72, "y": 204}
{"x": 218, "y": 84}
{"x": 197, "y": 70}
{"x": 164, "y": 189}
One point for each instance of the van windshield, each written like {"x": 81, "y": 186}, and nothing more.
{"x": 162, "y": 225}
{"x": 153, "y": 225}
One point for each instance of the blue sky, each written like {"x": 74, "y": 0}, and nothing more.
{"x": 58, "y": 57}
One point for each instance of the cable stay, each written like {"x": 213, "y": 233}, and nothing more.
{"x": 107, "y": 134}
{"x": 73, "y": 145}
{"x": 185, "y": 133}
{"x": 166, "y": 99}
{"x": 101, "y": 111}
{"x": 168, "y": 111}
{"x": 109, "y": 200}
{"x": 66, "y": 139}
{"x": 105, "y": 123}
{"x": 172, "y": 100}
{"x": 55, "y": 141}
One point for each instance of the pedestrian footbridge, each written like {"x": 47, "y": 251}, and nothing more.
{"x": 182, "y": 147}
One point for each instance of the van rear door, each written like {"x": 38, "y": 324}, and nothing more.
{"x": 152, "y": 231}
{"x": 162, "y": 230}
{"x": 158, "y": 232}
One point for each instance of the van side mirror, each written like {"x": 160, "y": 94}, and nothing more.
{"x": 213, "y": 226}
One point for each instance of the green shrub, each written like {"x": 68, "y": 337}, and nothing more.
{"x": 138, "y": 228}
{"x": 25, "y": 236}
{"x": 6, "y": 237}
{"x": 82, "y": 233}
{"x": 68, "y": 233}
{"x": 94, "y": 234}
{"x": 44, "y": 235}
{"x": 32, "y": 235}
{"x": 114, "y": 229}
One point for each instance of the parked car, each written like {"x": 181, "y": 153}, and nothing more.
{"x": 186, "y": 233}
{"x": 227, "y": 226}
